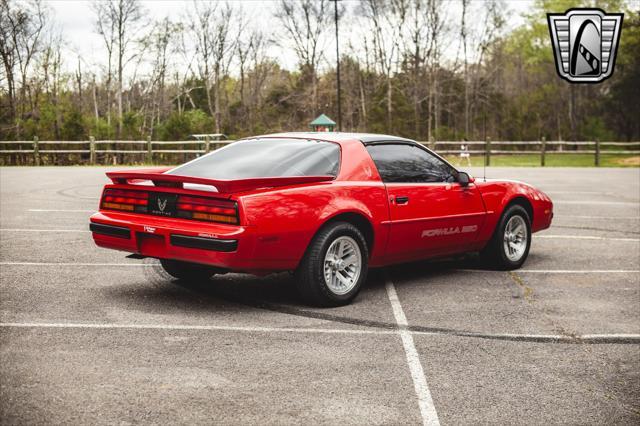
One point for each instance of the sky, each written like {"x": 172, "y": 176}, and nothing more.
{"x": 76, "y": 20}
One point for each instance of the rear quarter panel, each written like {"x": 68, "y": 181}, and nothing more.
{"x": 285, "y": 220}
{"x": 497, "y": 195}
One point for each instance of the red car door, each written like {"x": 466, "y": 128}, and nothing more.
{"x": 431, "y": 213}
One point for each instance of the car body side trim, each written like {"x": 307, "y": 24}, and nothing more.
{"x": 425, "y": 219}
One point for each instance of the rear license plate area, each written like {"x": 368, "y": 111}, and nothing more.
{"x": 150, "y": 245}
{"x": 162, "y": 204}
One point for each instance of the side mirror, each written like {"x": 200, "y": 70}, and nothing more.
{"x": 464, "y": 179}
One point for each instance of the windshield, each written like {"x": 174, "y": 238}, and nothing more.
{"x": 266, "y": 158}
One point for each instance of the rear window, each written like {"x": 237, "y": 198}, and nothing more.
{"x": 266, "y": 158}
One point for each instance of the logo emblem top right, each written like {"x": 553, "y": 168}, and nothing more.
{"x": 585, "y": 43}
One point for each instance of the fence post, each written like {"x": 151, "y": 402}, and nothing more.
{"x": 597, "y": 153}
{"x": 543, "y": 152}
{"x": 487, "y": 152}
{"x": 36, "y": 151}
{"x": 92, "y": 150}
{"x": 432, "y": 142}
{"x": 149, "y": 150}
{"x": 207, "y": 145}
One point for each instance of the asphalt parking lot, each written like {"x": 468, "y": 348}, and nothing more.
{"x": 90, "y": 337}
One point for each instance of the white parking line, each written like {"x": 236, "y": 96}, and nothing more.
{"x": 42, "y": 230}
{"x": 131, "y": 326}
{"x": 556, "y": 271}
{"x": 577, "y": 192}
{"x": 61, "y": 210}
{"x": 586, "y": 202}
{"x": 586, "y": 237}
{"x": 567, "y": 271}
{"x": 427, "y": 409}
{"x": 568, "y": 216}
{"x": 194, "y": 327}
{"x": 70, "y": 264}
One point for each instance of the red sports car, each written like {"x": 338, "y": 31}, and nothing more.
{"x": 325, "y": 205}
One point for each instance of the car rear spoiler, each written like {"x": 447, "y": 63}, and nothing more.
{"x": 224, "y": 186}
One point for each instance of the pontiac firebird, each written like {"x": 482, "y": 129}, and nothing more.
{"x": 325, "y": 205}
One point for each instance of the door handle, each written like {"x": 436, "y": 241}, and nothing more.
{"x": 403, "y": 199}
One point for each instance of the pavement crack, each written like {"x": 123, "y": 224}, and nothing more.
{"x": 528, "y": 293}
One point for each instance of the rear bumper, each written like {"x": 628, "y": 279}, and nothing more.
{"x": 225, "y": 246}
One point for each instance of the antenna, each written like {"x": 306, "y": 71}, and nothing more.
{"x": 487, "y": 147}
{"x": 484, "y": 167}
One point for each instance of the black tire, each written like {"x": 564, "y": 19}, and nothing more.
{"x": 186, "y": 270}
{"x": 309, "y": 276}
{"x": 494, "y": 253}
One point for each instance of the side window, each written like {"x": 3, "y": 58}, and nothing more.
{"x": 407, "y": 163}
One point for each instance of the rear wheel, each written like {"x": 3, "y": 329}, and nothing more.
{"x": 186, "y": 270}
{"x": 509, "y": 246}
{"x": 334, "y": 266}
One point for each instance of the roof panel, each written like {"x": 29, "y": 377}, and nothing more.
{"x": 338, "y": 136}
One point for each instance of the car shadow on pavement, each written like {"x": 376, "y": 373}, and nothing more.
{"x": 275, "y": 291}
{"x": 233, "y": 294}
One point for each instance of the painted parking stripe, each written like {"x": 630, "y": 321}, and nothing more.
{"x": 603, "y": 203}
{"x": 42, "y": 230}
{"x": 585, "y": 237}
{"x": 425, "y": 402}
{"x": 568, "y": 216}
{"x": 62, "y": 210}
{"x": 70, "y": 264}
{"x": 556, "y": 271}
{"x": 542, "y": 338}
{"x": 576, "y": 192}
{"x": 195, "y": 327}
{"x": 592, "y": 271}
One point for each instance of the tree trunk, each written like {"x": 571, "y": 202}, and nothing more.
{"x": 363, "y": 104}
{"x": 389, "y": 103}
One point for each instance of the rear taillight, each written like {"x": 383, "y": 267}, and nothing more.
{"x": 207, "y": 209}
{"x": 119, "y": 199}
{"x": 186, "y": 207}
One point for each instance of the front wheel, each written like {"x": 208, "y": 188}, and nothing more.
{"x": 334, "y": 266}
{"x": 186, "y": 270}
{"x": 509, "y": 246}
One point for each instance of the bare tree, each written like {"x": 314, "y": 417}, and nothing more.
{"x": 463, "y": 37}
{"x": 160, "y": 45}
{"x": 210, "y": 25}
{"x": 387, "y": 19}
{"x": 118, "y": 22}
{"x": 105, "y": 26}
{"x": 475, "y": 42}
{"x": 415, "y": 51}
{"x": 21, "y": 30}
{"x": 435, "y": 23}
{"x": 305, "y": 22}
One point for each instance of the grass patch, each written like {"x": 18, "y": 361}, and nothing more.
{"x": 552, "y": 160}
